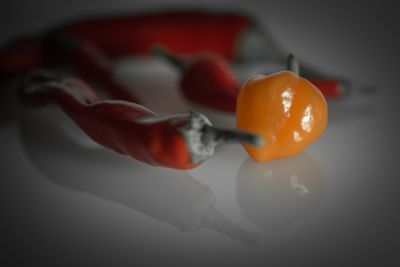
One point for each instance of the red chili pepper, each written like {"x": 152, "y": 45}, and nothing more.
{"x": 181, "y": 141}
{"x": 206, "y": 79}
{"x": 84, "y": 58}
{"x": 330, "y": 88}
{"x": 185, "y": 32}
{"x": 89, "y": 62}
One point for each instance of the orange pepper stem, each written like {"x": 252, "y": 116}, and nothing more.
{"x": 293, "y": 64}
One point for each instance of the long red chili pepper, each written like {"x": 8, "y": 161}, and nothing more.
{"x": 83, "y": 57}
{"x": 185, "y": 32}
{"x": 181, "y": 141}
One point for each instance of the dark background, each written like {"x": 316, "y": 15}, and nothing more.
{"x": 359, "y": 40}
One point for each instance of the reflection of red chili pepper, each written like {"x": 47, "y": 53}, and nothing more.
{"x": 185, "y": 32}
{"x": 180, "y": 142}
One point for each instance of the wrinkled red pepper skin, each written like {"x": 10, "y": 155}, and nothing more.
{"x": 186, "y": 32}
{"x": 126, "y": 128}
{"x": 119, "y": 126}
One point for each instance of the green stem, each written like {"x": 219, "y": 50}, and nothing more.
{"x": 164, "y": 53}
{"x": 293, "y": 64}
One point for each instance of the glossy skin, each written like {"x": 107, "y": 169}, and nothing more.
{"x": 288, "y": 111}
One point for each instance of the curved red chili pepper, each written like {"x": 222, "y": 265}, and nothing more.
{"x": 181, "y": 141}
{"x": 21, "y": 57}
{"x": 185, "y": 32}
{"x": 89, "y": 62}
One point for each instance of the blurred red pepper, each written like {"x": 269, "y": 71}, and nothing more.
{"x": 186, "y": 32}
{"x": 89, "y": 63}
{"x": 206, "y": 79}
{"x": 180, "y": 142}
{"x": 330, "y": 88}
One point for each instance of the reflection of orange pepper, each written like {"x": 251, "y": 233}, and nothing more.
{"x": 287, "y": 110}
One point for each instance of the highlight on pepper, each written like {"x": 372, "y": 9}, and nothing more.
{"x": 288, "y": 111}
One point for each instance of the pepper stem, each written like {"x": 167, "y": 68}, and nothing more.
{"x": 293, "y": 64}
{"x": 220, "y": 136}
{"x": 164, "y": 53}
{"x": 202, "y": 138}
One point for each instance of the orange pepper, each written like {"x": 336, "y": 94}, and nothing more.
{"x": 288, "y": 111}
